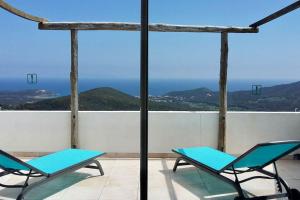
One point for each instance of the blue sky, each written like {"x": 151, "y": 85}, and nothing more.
{"x": 271, "y": 54}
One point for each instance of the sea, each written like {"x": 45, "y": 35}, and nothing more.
{"x": 157, "y": 87}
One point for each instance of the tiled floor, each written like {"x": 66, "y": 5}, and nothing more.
{"x": 121, "y": 182}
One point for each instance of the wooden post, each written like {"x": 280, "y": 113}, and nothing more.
{"x": 223, "y": 91}
{"x": 74, "y": 89}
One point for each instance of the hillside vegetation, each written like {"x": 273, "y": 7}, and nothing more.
{"x": 99, "y": 99}
{"x": 284, "y": 97}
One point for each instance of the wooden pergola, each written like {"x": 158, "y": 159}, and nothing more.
{"x": 144, "y": 27}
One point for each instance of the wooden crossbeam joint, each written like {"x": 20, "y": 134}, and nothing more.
{"x": 277, "y": 14}
{"x": 20, "y": 13}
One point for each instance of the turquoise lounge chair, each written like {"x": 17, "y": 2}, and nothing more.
{"x": 219, "y": 163}
{"x": 48, "y": 167}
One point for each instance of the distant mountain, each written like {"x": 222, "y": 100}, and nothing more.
{"x": 104, "y": 98}
{"x": 96, "y": 99}
{"x": 285, "y": 97}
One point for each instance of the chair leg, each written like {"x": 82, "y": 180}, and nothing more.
{"x": 278, "y": 183}
{"x": 99, "y": 167}
{"x": 279, "y": 180}
{"x": 286, "y": 187}
{"x": 29, "y": 187}
{"x": 176, "y": 164}
{"x": 20, "y": 197}
{"x": 238, "y": 185}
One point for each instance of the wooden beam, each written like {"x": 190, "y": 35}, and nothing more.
{"x": 277, "y": 14}
{"x": 121, "y": 26}
{"x": 74, "y": 89}
{"x": 20, "y": 13}
{"x": 223, "y": 92}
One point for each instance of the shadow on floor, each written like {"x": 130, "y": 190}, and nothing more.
{"x": 48, "y": 189}
{"x": 200, "y": 183}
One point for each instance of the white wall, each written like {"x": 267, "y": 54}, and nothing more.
{"x": 247, "y": 129}
{"x": 34, "y": 131}
{"x": 45, "y": 131}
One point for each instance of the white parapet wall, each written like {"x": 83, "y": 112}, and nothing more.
{"x": 118, "y": 131}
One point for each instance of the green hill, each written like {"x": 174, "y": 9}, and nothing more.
{"x": 96, "y": 99}
{"x": 100, "y": 99}
{"x": 285, "y": 97}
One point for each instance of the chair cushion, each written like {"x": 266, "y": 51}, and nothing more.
{"x": 61, "y": 160}
{"x": 263, "y": 154}
{"x": 207, "y": 156}
{"x": 9, "y": 162}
